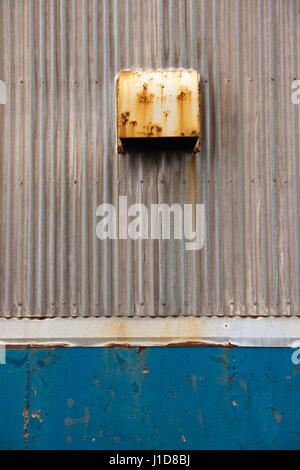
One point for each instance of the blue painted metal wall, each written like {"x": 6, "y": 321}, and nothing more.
{"x": 153, "y": 398}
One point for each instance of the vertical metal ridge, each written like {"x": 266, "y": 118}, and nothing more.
{"x": 73, "y": 173}
{"x": 104, "y": 73}
{"x": 93, "y": 167}
{"x": 258, "y": 161}
{"x": 294, "y": 202}
{"x": 203, "y": 292}
{"x": 17, "y": 168}
{"x": 281, "y": 164}
{"x": 237, "y": 175}
{"x": 29, "y": 109}
{"x": 270, "y": 174}
{"x": 84, "y": 199}
{"x": 50, "y": 225}
{"x": 61, "y": 137}
{"x": 291, "y": 162}
{"x": 39, "y": 156}
{"x": 225, "y": 160}
{"x": 5, "y": 142}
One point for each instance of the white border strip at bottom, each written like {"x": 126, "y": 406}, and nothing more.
{"x": 223, "y": 331}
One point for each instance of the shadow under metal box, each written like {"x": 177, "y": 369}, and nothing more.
{"x": 158, "y": 109}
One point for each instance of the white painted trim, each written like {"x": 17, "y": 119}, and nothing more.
{"x": 225, "y": 331}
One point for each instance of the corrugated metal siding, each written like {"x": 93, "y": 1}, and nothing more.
{"x": 59, "y": 61}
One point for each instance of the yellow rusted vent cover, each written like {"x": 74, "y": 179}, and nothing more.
{"x": 158, "y": 109}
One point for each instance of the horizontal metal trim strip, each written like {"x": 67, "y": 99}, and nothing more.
{"x": 209, "y": 331}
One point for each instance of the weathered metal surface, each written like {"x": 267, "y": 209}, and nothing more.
{"x": 59, "y": 62}
{"x": 145, "y": 332}
{"x": 158, "y": 104}
{"x": 156, "y": 398}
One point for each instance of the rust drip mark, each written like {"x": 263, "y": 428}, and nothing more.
{"x": 194, "y": 171}
{"x": 150, "y": 127}
{"x": 25, "y": 412}
{"x": 25, "y": 415}
{"x": 192, "y": 381}
{"x": 36, "y": 414}
{"x": 70, "y": 402}
{"x": 277, "y": 416}
{"x": 184, "y": 94}
{"x": 143, "y": 98}
{"x": 124, "y": 117}
{"x": 178, "y": 344}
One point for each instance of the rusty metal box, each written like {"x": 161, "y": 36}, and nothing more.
{"x": 160, "y": 108}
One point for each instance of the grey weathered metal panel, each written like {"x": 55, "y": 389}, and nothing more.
{"x": 59, "y": 61}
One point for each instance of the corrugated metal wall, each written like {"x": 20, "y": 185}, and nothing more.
{"x": 59, "y": 60}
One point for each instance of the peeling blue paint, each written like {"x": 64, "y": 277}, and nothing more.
{"x": 155, "y": 398}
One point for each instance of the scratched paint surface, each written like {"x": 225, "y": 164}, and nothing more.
{"x": 156, "y": 398}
